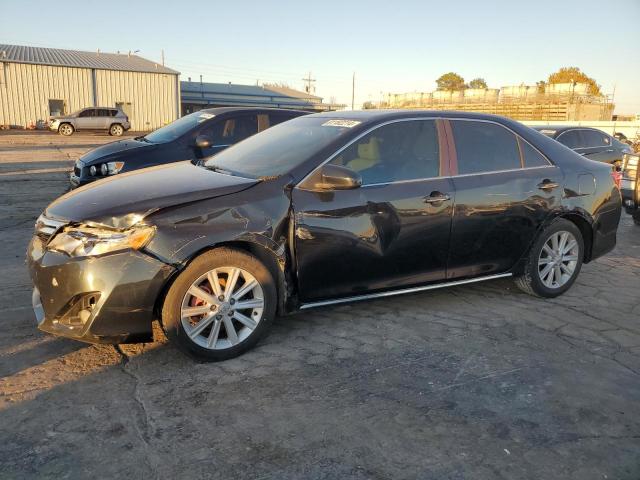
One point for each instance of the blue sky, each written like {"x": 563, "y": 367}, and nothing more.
{"x": 392, "y": 46}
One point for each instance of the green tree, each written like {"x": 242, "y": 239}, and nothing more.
{"x": 573, "y": 74}
{"x": 478, "y": 83}
{"x": 451, "y": 81}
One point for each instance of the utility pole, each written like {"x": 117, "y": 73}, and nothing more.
{"x": 308, "y": 81}
{"x": 162, "y": 57}
{"x": 353, "y": 91}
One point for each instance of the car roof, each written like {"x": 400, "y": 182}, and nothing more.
{"x": 221, "y": 110}
{"x": 375, "y": 115}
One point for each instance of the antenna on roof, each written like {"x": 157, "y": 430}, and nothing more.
{"x": 98, "y": 52}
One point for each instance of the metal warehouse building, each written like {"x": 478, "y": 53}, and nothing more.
{"x": 196, "y": 96}
{"x": 36, "y": 83}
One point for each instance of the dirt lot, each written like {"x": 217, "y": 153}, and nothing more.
{"x": 474, "y": 382}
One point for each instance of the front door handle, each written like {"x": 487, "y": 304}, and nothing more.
{"x": 547, "y": 184}
{"x": 436, "y": 197}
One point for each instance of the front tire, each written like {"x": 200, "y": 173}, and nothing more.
{"x": 116, "y": 130}
{"x": 554, "y": 261}
{"x": 66, "y": 129}
{"x": 221, "y": 305}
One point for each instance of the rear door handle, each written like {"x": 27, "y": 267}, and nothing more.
{"x": 437, "y": 197}
{"x": 547, "y": 185}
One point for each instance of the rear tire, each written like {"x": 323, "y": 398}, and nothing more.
{"x": 66, "y": 129}
{"x": 554, "y": 262}
{"x": 116, "y": 130}
{"x": 210, "y": 322}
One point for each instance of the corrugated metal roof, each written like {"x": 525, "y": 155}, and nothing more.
{"x": 250, "y": 90}
{"x": 80, "y": 59}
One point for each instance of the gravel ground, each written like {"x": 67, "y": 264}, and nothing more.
{"x": 473, "y": 382}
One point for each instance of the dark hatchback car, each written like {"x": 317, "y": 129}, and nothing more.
{"x": 323, "y": 209}
{"x": 192, "y": 137}
{"x": 591, "y": 143}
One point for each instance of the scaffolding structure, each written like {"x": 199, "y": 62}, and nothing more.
{"x": 518, "y": 103}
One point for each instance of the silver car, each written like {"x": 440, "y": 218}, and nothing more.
{"x": 112, "y": 120}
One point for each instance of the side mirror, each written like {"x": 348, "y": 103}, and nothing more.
{"x": 202, "y": 141}
{"x": 336, "y": 177}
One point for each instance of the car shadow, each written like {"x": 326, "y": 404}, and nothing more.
{"x": 40, "y": 351}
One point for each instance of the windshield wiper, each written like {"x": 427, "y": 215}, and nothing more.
{"x": 142, "y": 138}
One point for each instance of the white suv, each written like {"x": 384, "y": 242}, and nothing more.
{"x": 110, "y": 119}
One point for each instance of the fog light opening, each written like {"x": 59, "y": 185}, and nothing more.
{"x": 79, "y": 310}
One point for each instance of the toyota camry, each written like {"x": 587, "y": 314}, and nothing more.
{"x": 319, "y": 210}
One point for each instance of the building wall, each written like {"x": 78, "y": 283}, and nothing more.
{"x": 25, "y": 91}
{"x": 153, "y": 97}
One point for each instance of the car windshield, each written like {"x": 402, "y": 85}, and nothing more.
{"x": 178, "y": 128}
{"x": 281, "y": 148}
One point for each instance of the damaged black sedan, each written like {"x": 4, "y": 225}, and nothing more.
{"x": 323, "y": 209}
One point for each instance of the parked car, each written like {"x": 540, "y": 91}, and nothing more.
{"x": 323, "y": 209}
{"x": 191, "y": 137}
{"x": 111, "y": 120}
{"x": 630, "y": 186}
{"x": 589, "y": 142}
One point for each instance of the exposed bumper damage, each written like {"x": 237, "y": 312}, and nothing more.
{"x": 104, "y": 299}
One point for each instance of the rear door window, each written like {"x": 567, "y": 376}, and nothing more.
{"x": 484, "y": 147}
{"x": 571, "y": 139}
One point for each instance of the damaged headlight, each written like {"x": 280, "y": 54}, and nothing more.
{"x": 91, "y": 241}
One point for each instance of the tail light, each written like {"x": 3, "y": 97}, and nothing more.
{"x": 630, "y": 166}
{"x": 617, "y": 176}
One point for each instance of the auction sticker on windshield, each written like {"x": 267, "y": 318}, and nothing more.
{"x": 205, "y": 116}
{"x": 341, "y": 123}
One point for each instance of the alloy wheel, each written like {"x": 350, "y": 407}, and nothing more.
{"x": 66, "y": 129}
{"x": 222, "y": 308}
{"x": 116, "y": 130}
{"x": 558, "y": 259}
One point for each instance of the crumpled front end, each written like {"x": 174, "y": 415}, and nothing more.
{"x": 107, "y": 298}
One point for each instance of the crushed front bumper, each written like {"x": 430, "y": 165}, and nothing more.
{"x": 104, "y": 299}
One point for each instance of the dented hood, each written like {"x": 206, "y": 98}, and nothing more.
{"x": 125, "y": 199}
